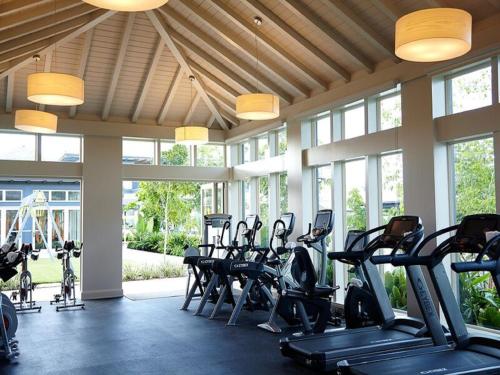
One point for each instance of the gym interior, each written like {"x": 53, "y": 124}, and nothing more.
{"x": 249, "y": 186}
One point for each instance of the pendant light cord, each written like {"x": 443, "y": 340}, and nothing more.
{"x": 258, "y": 22}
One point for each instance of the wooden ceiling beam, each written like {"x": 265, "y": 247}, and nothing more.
{"x": 306, "y": 13}
{"x": 44, "y": 10}
{"x": 120, "y": 58}
{"x": 98, "y": 17}
{"x": 360, "y": 26}
{"x": 192, "y": 109}
{"x": 250, "y": 29}
{"x": 169, "y": 97}
{"x": 84, "y": 58}
{"x": 435, "y": 3}
{"x": 210, "y": 121}
{"x": 149, "y": 78}
{"x": 220, "y": 83}
{"x": 388, "y": 8}
{"x": 40, "y": 24}
{"x": 224, "y": 103}
{"x": 17, "y": 5}
{"x": 233, "y": 120}
{"x": 164, "y": 30}
{"x": 243, "y": 65}
{"x": 9, "y": 97}
{"x": 495, "y": 3}
{"x": 45, "y": 33}
{"x": 301, "y": 40}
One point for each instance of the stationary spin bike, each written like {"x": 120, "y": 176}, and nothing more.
{"x": 26, "y": 286}
{"x": 67, "y": 298}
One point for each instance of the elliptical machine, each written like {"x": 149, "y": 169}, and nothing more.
{"x": 360, "y": 307}
{"x": 26, "y": 286}
{"x": 10, "y": 257}
{"x": 67, "y": 298}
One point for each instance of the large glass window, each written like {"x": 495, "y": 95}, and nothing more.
{"x": 58, "y": 216}
{"x": 469, "y": 89}
{"x": 138, "y": 152}
{"x": 473, "y": 191}
{"x": 392, "y": 186}
{"x": 324, "y": 187}
{"x": 14, "y": 146}
{"x": 40, "y": 233}
{"x": 220, "y": 197}
{"x": 355, "y": 194}
{"x": 245, "y": 152}
{"x": 57, "y": 196}
{"x": 389, "y": 111}
{"x": 13, "y": 195}
{"x": 282, "y": 142}
{"x": 264, "y": 209}
{"x": 10, "y": 215}
{"x": 74, "y": 225}
{"x": 174, "y": 154}
{"x": 210, "y": 156}
{"x": 61, "y": 148}
{"x": 206, "y": 199}
{"x": 246, "y": 198}
{"x": 262, "y": 147}
{"x": 323, "y": 130}
{"x": 353, "y": 120}
{"x": 283, "y": 192}
{"x": 73, "y": 196}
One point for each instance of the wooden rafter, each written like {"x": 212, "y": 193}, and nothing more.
{"x": 224, "y": 103}
{"x": 98, "y": 17}
{"x": 248, "y": 27}
{"x": 40, "y": 24}
{"x": 360, "y": 26}
{"x": 169, "y": 97}
{"x": 308, "y": 14}
{"x": 17, "y": 5}
{"x": 164, "y": 30}
{"x": 129, "y": 24}
{"x": 192, "y": 109}
{"x": 84, "y": 58}
{"x": 149, "y": 78}
{"x": 49, "y": 32}
{"x": 230, "y": 57}
{"x": 9, "y": 98}
{"x": 220, "y": 83}
{"x": 435, "y": 3}
{"x": 388, "y": 8}
{"x": 210, "y": 121}
{"x": 301, "y": 40}
{"x": 495, "y": 3}
{"x": 233, "y": 120}
{"x": 44, "y": 10}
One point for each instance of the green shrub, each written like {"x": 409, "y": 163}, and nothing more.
{"x": 12, "y": 284}
{"x": 133, "y": 272}
{"x": 395, "y": 286}
{"x": 148, "y": 241}
{"x": 177, "y": 241}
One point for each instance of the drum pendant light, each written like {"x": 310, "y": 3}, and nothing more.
{"x": 435, "y": 34}
{"x": 33, "y": 121}
{"x": 127, "y": 5}
{"x": 191, "y": 134}
{"x": 257, "y": 106}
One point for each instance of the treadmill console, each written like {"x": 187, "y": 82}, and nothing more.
{"x": 471, "y": 232}
{"x": 399, "y": 227}
{"x": 351, "y": 237}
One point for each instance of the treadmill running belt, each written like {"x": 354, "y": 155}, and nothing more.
{"x": 448, "y": 362}
{"x": 353, "y": 344}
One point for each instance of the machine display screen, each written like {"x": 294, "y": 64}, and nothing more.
{"x": 477, "y": 227}
{"x": 323, "y": 220}
{"x": 287, "y": 219}
{"x": 400, "y": 227}
{"x": 250, "y": 220}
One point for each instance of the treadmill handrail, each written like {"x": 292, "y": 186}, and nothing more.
{"x": 432, "y": 236}
{"x": 366, "y": 234}
{"x": 381, "y": 259}
{"x": 493, "y": 241}
{"x": 488, "y": 265}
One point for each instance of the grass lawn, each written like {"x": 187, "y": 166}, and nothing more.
{"x": 45, "y": 270}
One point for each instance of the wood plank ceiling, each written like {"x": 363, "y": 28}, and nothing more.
{"x": 136, "y": 66}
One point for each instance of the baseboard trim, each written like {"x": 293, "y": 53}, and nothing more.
{"x": 101, "y": 294}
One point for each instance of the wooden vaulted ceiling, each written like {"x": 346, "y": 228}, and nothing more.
{"x": 136, "y": 65}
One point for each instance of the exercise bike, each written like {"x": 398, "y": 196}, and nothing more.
{"x": 26, "y": 286}
{"x": 10, "y": 257}
{"x": 67, "y": 298}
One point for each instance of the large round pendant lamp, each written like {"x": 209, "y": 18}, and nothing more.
{"x": 191, "y": 135}
{"x": 435, "y": 34}
{"x": 257, "y": 106}
{"x": 29, "y": 120}
{"x": 55, "y": 89}
{"x": 127, "y": 5}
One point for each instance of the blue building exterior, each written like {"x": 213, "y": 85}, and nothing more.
{"x": 63, "y": 198}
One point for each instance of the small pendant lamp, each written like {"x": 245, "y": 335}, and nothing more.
{"x": 127, "y": 5}
{"x": 257, "y": 106}
{"x": 191, "y": 134}
{"x": 435, "y": 34}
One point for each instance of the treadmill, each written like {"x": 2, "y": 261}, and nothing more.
{"x": 469, "y": 354}
{"x": 324, "y": 351}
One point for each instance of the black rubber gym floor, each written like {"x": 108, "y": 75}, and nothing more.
{"x": 120, "y": 336}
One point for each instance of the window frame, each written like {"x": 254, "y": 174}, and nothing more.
{"x": 58, "y": 200}
{"x": 154, "y": 142}
{"x": 39, "y": 148}
{"x": 361, "y": 103}
{"x": 379, "y": 99}
{"x": 5, "y": 191}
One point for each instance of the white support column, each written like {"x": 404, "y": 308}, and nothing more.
{"x": 373, "y": 194}
{"x": 371, "y": 115}
{"x": 339, "y": 225}
{"x": 424, "y": 163}
{"x": 337, "y": 125}
{"x": 495, "y": 80}
{"x": 101, "y": 218}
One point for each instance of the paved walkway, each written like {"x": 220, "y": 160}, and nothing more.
{"x": 147, "y": 257}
